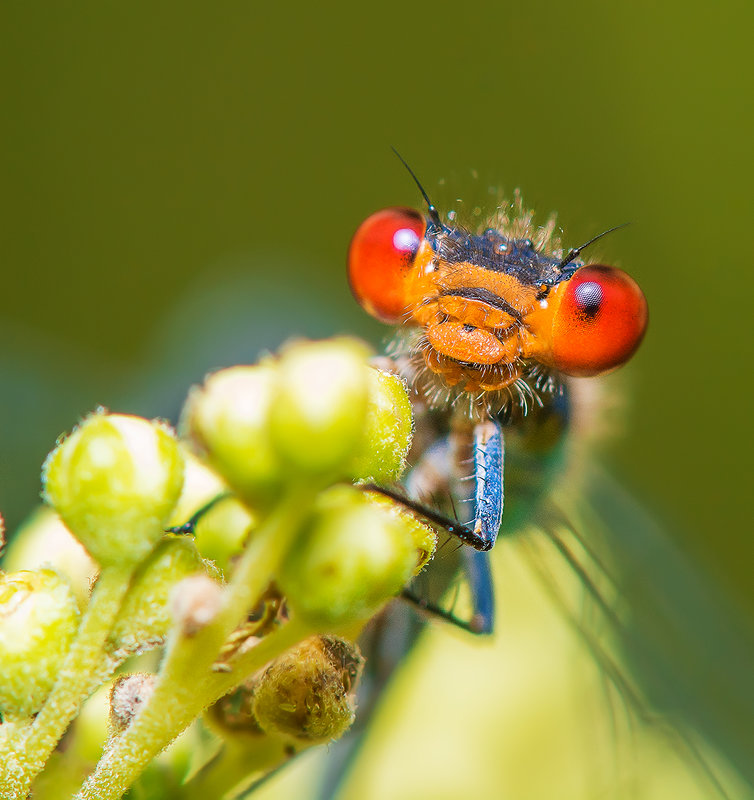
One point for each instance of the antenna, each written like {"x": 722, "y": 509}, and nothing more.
{"x": 433, "y": 215}
{"x": 574, "y": 251}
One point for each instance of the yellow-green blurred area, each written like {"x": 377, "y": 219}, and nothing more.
{"x": 180, "y": 182}
{"x": 528, "y": 716}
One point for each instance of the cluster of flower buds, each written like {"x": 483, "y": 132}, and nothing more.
{"x": 113, "y": 482}
{"x": 316, "y": 413}
{"x": 285, "y": 439}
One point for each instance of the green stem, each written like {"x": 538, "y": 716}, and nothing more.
{"x": 74, "y": 684}
{"x": 12, "y": 733}
{"x": 172, "y": 709}
{"x": 237, "y": 762}
{"x": 187, "y": 684}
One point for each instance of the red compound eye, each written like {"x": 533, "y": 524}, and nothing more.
{"x": 600, "y": 321}
{"x": 380, "y": 257}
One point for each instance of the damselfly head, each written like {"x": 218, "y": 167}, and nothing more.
{"x": 493, "y": 308}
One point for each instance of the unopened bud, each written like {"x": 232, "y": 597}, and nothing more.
{"x": 353, "y": 557}
{"x": 223, "y": 527}
{"x": 422, "y": 535}
{"x": 228, "y": 419}
{"x": 43, "y": 539}
{"x": 388, "y": 430}
{"x": 114, "y": 481}
{"x": 222, "y": 532}
{"x": 319, "y": 408}
{"x": 200, "y": 485}
{"x": 39, "y": 617}
{"x": 145, "y": 616}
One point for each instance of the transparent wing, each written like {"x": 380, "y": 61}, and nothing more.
{"x": 684, "y": 652}
{"x": 619, "y": 670}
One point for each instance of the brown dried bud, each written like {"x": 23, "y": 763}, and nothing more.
{"x": 307, "y": 693}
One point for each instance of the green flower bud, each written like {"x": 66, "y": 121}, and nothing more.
{"x": 114, "y": 481}
{"x": 422, "y": 535}
{"x": 43, "y": 540}
{"x": 353, "y": 557}
{"x": 319, "y": 407}
{"x": 221, "y": 531}
{"x": 228, "y": 419}
{"x": 39, "y": 617}
{"x": 307, "y": 693}
{"x": 145, "y": 616}
{"x": 200, "y": 485}
{"x": 388, "y": 430}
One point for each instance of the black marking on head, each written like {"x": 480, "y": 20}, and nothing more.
{"x": 483, "y": 296}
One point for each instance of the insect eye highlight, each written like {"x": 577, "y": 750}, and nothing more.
{"x": 380, "y": 257}
{"x": 600, "y": 321}
{"x": 587, "y": 298}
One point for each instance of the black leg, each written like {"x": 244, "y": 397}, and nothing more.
{"x": 476, "y": 567}
{"x": 462, "y": 532}
{"x": 188, "y": 527}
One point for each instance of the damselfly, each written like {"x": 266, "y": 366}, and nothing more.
{"x": 497, "y": 319}
{"x": 494, "y": 322}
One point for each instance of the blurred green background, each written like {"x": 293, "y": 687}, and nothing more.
{"x": 180, "y": 182}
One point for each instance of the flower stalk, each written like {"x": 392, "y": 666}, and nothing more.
{"x": 306, "y": 558}
{"x": 187, "y": 683}
{"x": 25, "y": 755}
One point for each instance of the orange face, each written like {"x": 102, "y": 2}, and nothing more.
{"x": 490, "y": 305}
